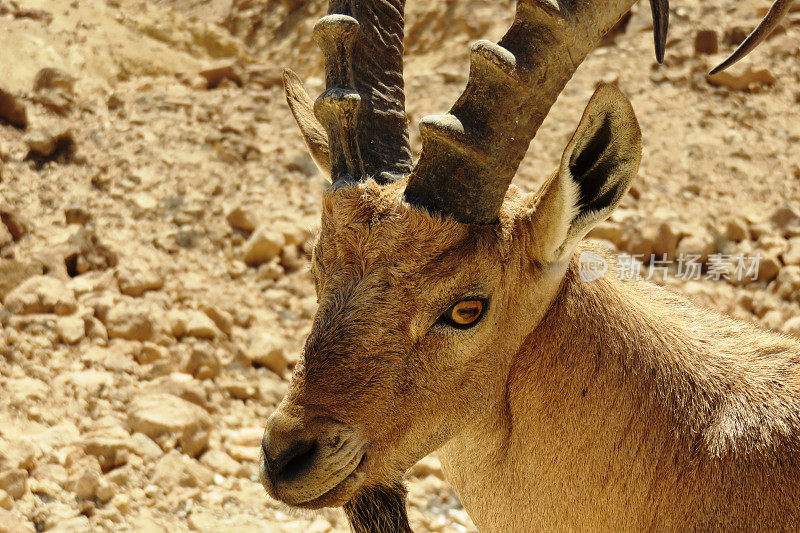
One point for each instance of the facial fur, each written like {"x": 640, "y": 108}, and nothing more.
{"x": 378, "y": 358}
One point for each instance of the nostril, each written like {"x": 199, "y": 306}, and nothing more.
{"x": 295, "y": 461}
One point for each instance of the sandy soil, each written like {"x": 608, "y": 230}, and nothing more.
{"x": 156, "y": 224}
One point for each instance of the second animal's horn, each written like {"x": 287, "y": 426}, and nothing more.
{"x": 363, "y": 106}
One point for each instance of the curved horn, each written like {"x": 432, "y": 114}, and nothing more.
{"x": 660, "y": 10}
{"x": 774, "y": 16}
{"x": 470, "y": 155}
{"x": 363, "y": 106}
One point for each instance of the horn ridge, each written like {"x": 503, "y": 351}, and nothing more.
{"x": 363, "y": 106}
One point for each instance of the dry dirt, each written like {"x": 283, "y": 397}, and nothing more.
{"x": 156, "y": 223}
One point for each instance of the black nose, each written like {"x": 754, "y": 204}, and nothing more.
{"x": 287, "y": 461}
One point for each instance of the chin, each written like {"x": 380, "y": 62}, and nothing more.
{"x": 338, "y": 496}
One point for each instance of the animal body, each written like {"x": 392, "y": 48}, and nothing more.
{"x": 453, "y": 318}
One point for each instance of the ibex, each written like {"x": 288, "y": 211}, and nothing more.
{"x": 452, "y": 316}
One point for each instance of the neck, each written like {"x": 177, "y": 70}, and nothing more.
{"x": 619, "y": 392}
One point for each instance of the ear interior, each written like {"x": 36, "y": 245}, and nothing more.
{"x": 602, "y": 158}
{"x": 596, "y": 170}
{"x": 590, "y": 166}
{"x": 303, "y": 110}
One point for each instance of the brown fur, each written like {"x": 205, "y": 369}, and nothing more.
{"x": 607, "y": 405}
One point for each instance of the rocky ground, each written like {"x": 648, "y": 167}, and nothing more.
{"x": 157, "y": 206}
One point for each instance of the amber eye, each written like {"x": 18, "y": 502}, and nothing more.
{"x": 464, "y": 314}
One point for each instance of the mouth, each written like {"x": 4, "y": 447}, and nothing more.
{"x": 343, "y": 491}
{"x": 331, "y": 490}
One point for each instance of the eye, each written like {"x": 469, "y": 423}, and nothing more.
{"x": 463, "y": 314}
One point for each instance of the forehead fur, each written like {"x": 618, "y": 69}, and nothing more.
{"x": 376, "y": 223}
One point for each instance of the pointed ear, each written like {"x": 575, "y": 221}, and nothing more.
{"x": 596, "y": 170}
{"x": 303, "y": 110}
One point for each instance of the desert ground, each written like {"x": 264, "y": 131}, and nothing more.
{"x": 158, "y": 207}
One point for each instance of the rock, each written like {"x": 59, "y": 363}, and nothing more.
{"x": 13, "y": 523}
{"x": 608, "y": 231}
{"x": 150, "y": 353}
{"x": 5, "y": 235}
{"x": 241, "y": 390}
{"x": 13, "y": 273}
{"x": 15, "y": 223}
{"x": 734, "y": 35}
{"x": 145, "y": 202}
{"x": 76, "y": 214}
{"x": 264, "y": 349}
{"x": 6, "y": 501}
{"x": 700, "y": 243}
{"x": 747, "y": 80}
{"x": 83, "y": 252}
{"x": 271, "y": 271}
{"x": 203, "y": 363}
{"x": 736, "y": 229}
{"x": 666, "y": 240}
{"x": 247, "y": 437}
{"x": 773, "y": 320}
{"x": 191, "y": 323}
{"x": 127, "y": 320}
{"x": 787, "y": 283}
{"x": 214, "y": 76}
{"x": 242, "y": 219}
{"x": 706, "y": 42}
{"x": 104, "y": 491}
{"x": 177, "y": 470}
{"x": 101, "y": 282}
{"x": 428, "y": 466}
{"x": 14, "y": 482}
{"x": 181, "y": 385}
{"x": 200, "y": 326}
{"x": 85, "y": 482}
{"x": 111, "y": 448}
{"x": 12, "y": 110}
{"x": 49, "y": 143}
{"x": 124, "y": 476}
{"x": 772, "y": 244}
{"x": 266, "y": 77}
{"x": 785, "y": 218}
{"x": 791, "y": 256}
{"x": 222, "y": 319}
{"x": 144, "y": 447}
{"x": 135, "y": 277}
{"x": 95, "y": 329}
{"x": 792, "y": 326}
{"x": 53, "y": 78}
{"x": 768, "y": 267}
{"x": 41, "y": 294}
{"x": 14, "y": 454}
{"x": 221, "y": 462}
{"x": 71, "y": 329}
{"x": 90, "y": 381}
{"x": 164, "y": 415}
{"x": 243, "y": 454}
{"x": 292, "y": 258}
{"x": 115, "y": 102}
{"x": 263, "y": 245}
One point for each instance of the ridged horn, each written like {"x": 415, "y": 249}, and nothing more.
{"x": 363, "y": 106}
{"x": 470, "y": 155}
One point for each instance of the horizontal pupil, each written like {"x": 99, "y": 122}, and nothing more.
{"x": 468, "y": 312}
